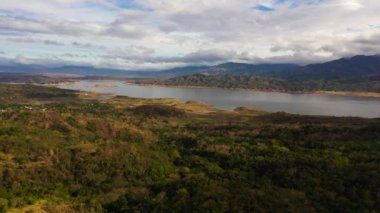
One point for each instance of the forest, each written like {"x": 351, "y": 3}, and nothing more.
{"x": 263, "y": 83}
{"x": 356, "y": 74}
{"x": 69, "y": 151}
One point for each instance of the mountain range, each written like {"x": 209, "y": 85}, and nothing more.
{"x": 358, "y": 73}
{"x": 92, "y": 71}
{"x": 357, "y": 66}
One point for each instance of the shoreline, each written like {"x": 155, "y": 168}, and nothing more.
{"x": 333, "y": 112}
{"x": 320, "y": 92}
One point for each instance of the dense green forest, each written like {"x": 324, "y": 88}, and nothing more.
{"x": 65, "y": 151}
{"x": 270, "y": 84}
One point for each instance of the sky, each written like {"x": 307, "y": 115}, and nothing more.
{"x": 160, "y": 34}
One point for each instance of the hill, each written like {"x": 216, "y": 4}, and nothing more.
{"x": 91, "y": 71}
{"x": 357, "y": 74}
{"x": 242, "y": 69}
{"x": 101, "y": 72}
{"x": 355, "y": 68}
{"x": 65, "y": 151}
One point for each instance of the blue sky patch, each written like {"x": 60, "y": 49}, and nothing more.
{"x": 264, "y": 8}
{"x": 132, "y": 5}
{"x": 280, "y": 1}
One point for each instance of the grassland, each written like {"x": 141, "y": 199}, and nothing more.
{"x": 66, "y": 151}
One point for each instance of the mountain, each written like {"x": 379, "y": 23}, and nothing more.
{"x": 20, "y": 68}
{"x": 230, "y": 69}
{"x": 92, "y": 71}
{"x": 15, "y": 77}
{"x": 359, "y": 73}
{"x": 343, "y": 69}
{"x": 87, "y": 70}
{"x": 180, "y": 71}
{"x": 222, "y": 69}
{"x": 31, "y": 77}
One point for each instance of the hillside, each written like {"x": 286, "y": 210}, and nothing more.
{"x": 65, "y": 151}
{"x": 358, "y": 74}
{"x": 241, "y": 69}
{"x": 222, "y": 69}
{"x": 89, "y": 71}
{"x": 345, "y": 69}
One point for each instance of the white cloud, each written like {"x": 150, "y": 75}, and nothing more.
{"x": 31, "y": 40}
{"x": 180, "y": 32}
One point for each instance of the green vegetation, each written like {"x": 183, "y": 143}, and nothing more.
{"x": 62, "y": 152}
{"x": 230, "y": 81}
{"x": 357, "y": 74}
{"x": 270, "y": 84}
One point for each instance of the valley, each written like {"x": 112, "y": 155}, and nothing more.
{"x": 317, "y": 103}
{"x": 233, "y": 106}
{"x": 63, "y": 150}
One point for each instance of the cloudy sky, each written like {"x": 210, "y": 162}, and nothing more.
{"x": 157, "y": 34}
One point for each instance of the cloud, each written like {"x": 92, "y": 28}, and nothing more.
{"x": 70, "y": 55}
{"x": 31, "y": 40}
{"x": 205, "y": 56}
{"x": 124, "y": 27}
{"x": 52, "y": 61}
{"x": 87, "y": 45}
{"x": 9, "y": 24}
{"x": 208, "y": 56}
{"x": 162, "y": 33}
{"x": 330, "y": 47}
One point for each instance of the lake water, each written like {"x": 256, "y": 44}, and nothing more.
{"x": 306, "y": 104}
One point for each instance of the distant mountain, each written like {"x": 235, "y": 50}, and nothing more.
{"x": 78, "y": 70}
{"x": 17, "y": 77}
{"x": 180, "y": 71}
{"x": 242, "y": 69}
{"x": 359, "y": 73}
{"x": 222, "y": 69}
{"x": 92, "y": 71}
{"x": 226, "y": 69}
{"x": 86, "y": 70}
{"x": 362, "y": 67}
{"x": 20, "y": 68}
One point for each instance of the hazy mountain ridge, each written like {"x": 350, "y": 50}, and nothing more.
{"x": 359, "y": 73}
{"x": 231, "y": 68}
{"x": 92, "y": 71}
{"x": 357, "y": 66}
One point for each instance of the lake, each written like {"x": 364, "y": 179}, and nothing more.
{"x": 306, "y": 104}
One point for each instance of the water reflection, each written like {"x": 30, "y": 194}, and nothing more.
{"x": 310, "y": 104}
